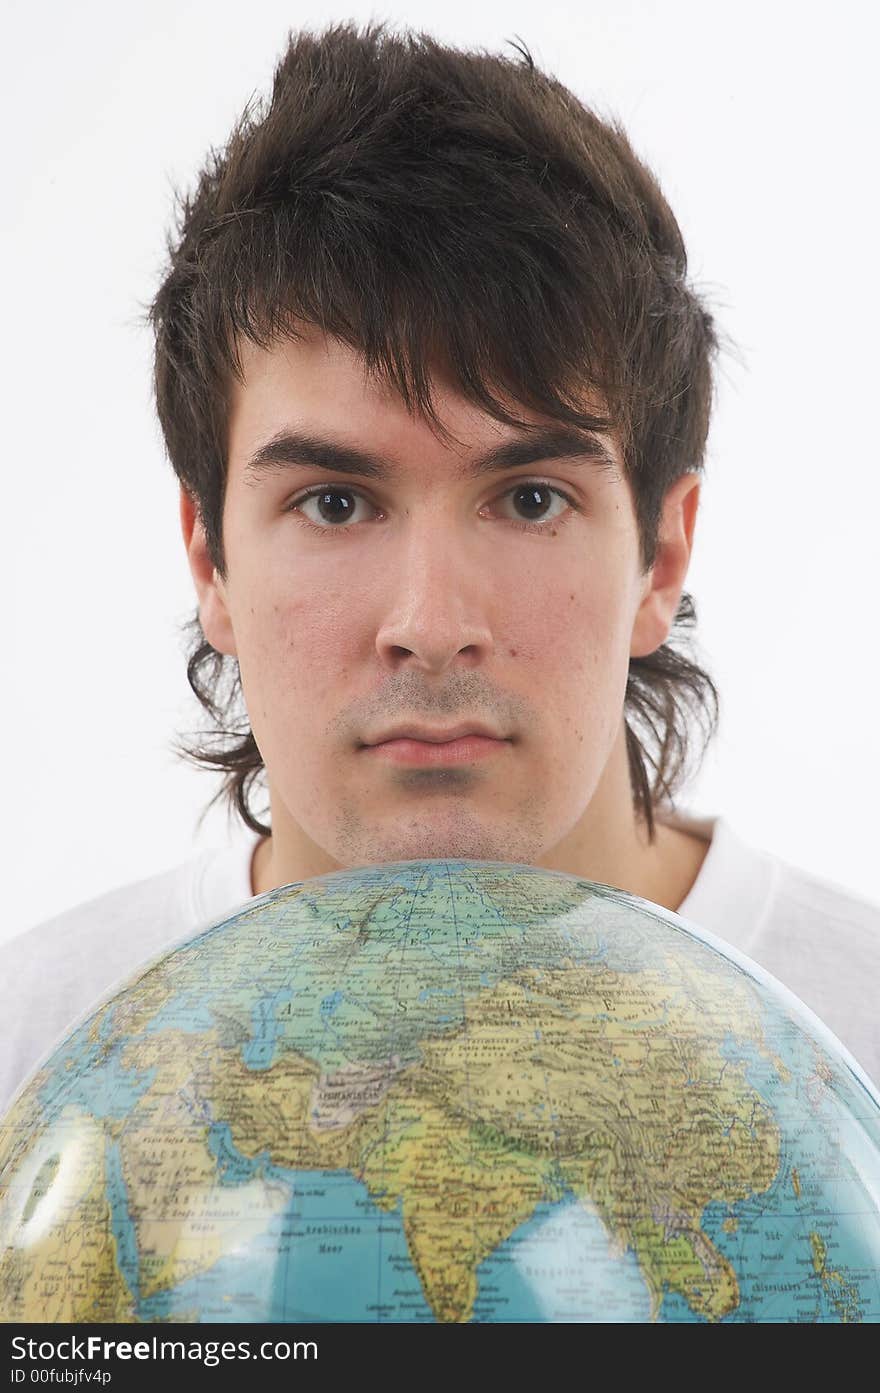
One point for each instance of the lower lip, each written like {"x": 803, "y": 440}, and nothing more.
{"x": 464, "y": 751}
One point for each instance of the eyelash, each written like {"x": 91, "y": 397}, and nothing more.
{"x": 521, "y": 525}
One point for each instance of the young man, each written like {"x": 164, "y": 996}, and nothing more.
{"x": 437, "y": 393}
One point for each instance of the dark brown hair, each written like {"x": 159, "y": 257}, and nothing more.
{"x": 422, "y": 203}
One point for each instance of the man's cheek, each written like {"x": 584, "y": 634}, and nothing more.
{"x": 271, "y": 683}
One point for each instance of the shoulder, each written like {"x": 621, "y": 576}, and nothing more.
{"x": 58, "y": 971}
{"x": 122, "y": 921}
{"x": 812, "y": 898}
{"x": 790, "y": 899}
{"x": 744, "y": 892}
{"x": 818, "y": 938}
{"x": 143, "y": 913}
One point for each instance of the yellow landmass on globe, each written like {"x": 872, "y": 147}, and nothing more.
{"x": 458, "y": 1200}
{"x": 185, "y": 1219}
{"x": 613, "y": 1083}
{"x": 598, "y": 1082}
{"x": 842, "y": 1294}
{"x": 57, "y": 1251}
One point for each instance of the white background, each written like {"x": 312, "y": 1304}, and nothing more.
{"x": 761, "y": 123}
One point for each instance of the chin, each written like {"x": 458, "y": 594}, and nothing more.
{"x": 462, "y": 837}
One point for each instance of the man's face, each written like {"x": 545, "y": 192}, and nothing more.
{"x": 432, "y": 596}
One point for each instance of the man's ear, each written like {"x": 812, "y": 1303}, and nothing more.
{"x": 665, "y": 580}
{"x": 213, "y": 609}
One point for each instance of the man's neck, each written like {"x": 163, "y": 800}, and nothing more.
{"x": 665, "y": 875}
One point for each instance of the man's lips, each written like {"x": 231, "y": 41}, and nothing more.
{"x": 465, "y": 750}
{"x": 415, "y": 730}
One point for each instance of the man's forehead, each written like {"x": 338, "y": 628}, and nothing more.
{"x": 313, "y": 400}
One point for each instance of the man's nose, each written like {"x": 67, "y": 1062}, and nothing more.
{"x": 436, "y": 596}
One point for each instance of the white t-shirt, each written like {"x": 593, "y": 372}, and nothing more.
{"x": 818, "y": 939}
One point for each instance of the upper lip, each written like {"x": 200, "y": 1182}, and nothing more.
{"x": 435, "y": 737}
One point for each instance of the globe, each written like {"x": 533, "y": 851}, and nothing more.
{"x": 444, "y": 1091}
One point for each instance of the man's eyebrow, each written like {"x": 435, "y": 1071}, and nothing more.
{"x": 289, "y": 448}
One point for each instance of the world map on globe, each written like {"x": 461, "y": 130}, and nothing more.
{"x": 444, "y": 1090}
